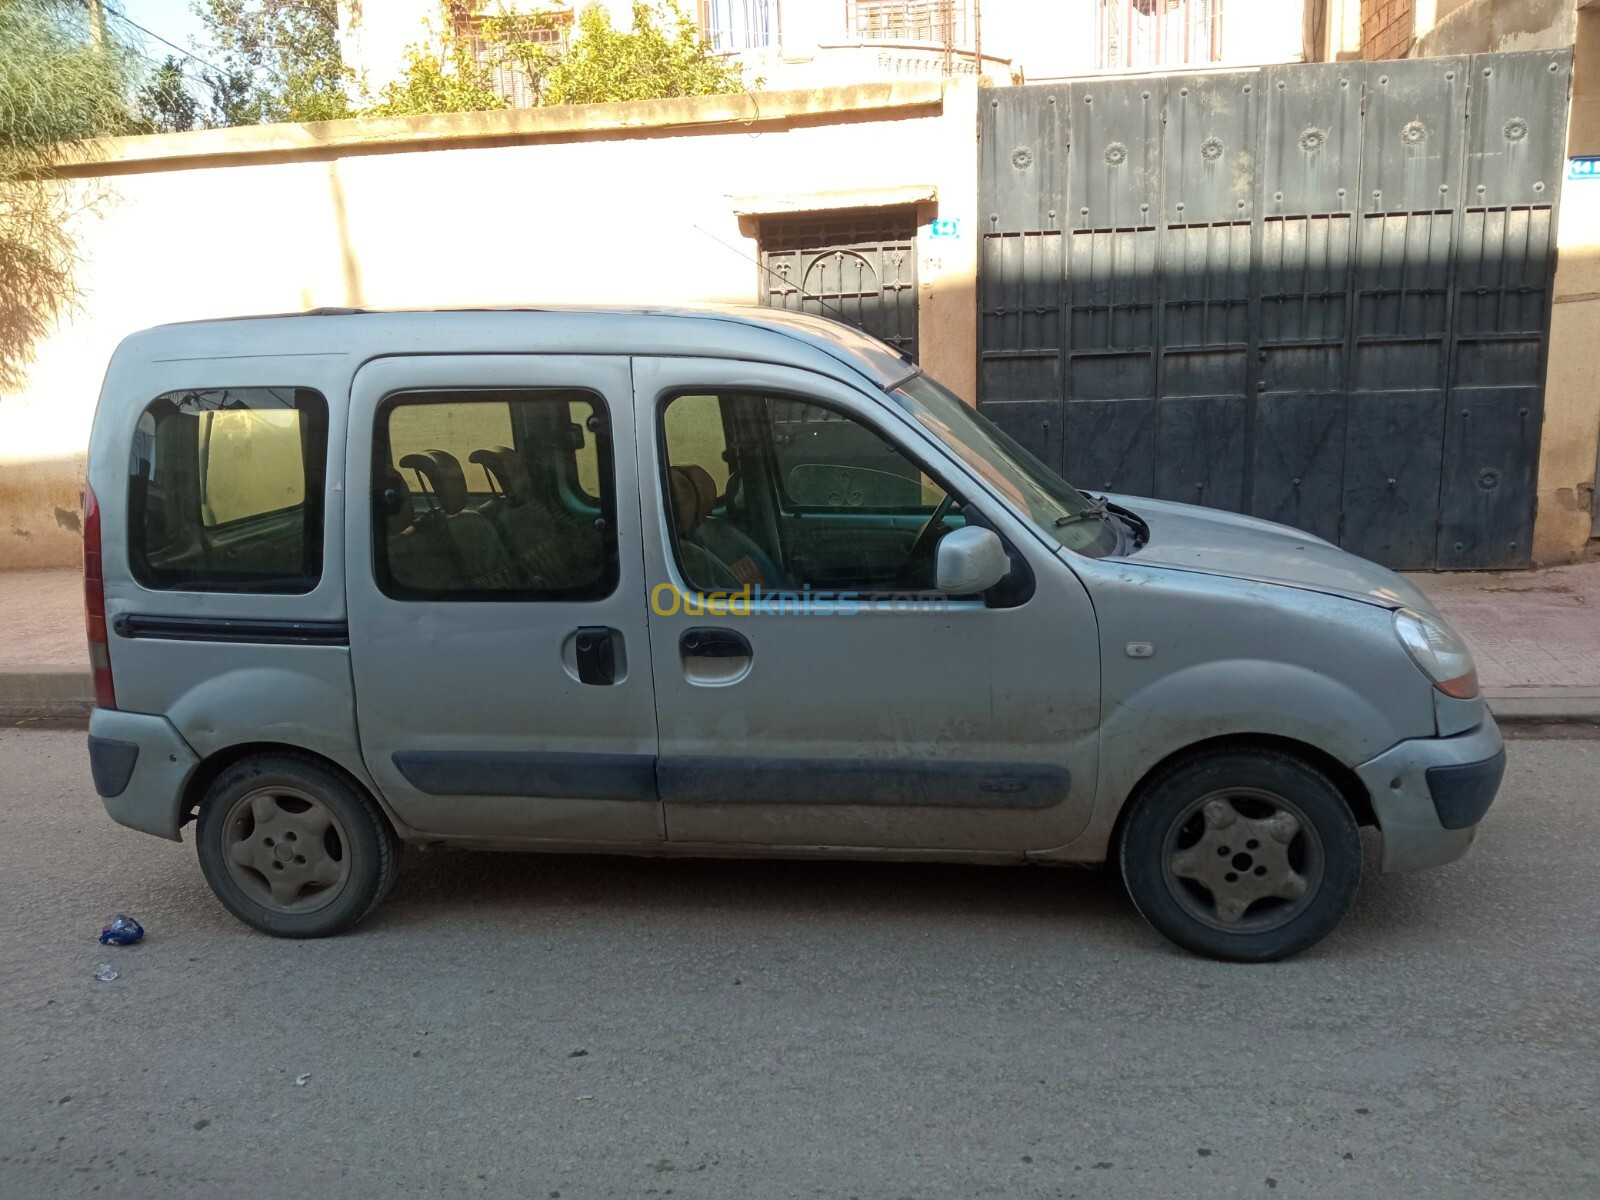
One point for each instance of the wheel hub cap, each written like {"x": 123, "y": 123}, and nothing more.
{"x": 286, "y": 849}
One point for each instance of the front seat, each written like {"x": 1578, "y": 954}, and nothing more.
{"x": 480, "y": 555}
{"x": 722, "y": 541}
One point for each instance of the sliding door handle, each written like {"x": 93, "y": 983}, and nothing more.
{"x": 597, "y": 657}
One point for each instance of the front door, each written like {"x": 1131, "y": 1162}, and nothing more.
{"x": 813, "y": 689}
{"x": 497, "y": 620}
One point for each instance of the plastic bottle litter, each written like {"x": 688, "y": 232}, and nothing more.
{"x": 123, "y": 931}
{"x": 105, "y": 972}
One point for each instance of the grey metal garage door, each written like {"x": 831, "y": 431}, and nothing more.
{"x": 1316, "y": 293}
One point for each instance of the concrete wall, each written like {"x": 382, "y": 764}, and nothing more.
{"x": 1482, "y": 26}
{"x": 656, "y": 201}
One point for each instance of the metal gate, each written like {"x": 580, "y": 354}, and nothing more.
{"x": 1315, "y": 293}
{"x": 858, "y": 267}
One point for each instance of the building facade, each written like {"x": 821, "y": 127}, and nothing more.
{"x": 789, "y": 44}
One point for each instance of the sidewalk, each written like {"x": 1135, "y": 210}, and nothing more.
{"x": 1535, "y": 634}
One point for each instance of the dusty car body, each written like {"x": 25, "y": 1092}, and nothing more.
{"x": 733, "y": 582}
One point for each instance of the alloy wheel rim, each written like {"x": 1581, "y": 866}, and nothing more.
{"x": 1243, "y": 860}
{"x": 286, "y": 850}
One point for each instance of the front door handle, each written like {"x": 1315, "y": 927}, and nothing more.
{"x": 713, "y": 643}
{"x": 597, "y": 657}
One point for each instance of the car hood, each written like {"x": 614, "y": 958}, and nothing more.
{"x": 1206, "y": 540}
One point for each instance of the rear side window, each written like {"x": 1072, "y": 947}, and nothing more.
{"x": 225, "y": 490}
{"x": 494, "y": 494}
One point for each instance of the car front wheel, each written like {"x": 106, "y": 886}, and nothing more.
{"x": 1242, "y": 855}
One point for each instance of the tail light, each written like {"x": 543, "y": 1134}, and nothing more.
{"x": 94, "y": 602}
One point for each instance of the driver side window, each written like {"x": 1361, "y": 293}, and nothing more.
{"x": 786, "y": 495}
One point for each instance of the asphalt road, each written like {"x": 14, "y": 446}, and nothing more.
{"x": 519, "y": 1026}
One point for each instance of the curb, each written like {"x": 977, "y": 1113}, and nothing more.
{"x": 54, "y": 692}
{"x": 58, "y": 693}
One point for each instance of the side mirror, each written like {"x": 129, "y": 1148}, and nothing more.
{"x": 971, "y": 560}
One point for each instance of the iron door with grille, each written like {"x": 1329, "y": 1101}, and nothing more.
{"x": 1315, "y": 293}
{"x": 857, "y": 267}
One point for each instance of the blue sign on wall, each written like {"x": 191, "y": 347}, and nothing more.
{"x": 1587, "y": 167}
{"x": 945, "y": 229}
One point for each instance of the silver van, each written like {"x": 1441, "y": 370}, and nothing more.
{"x": 733, "y": 582}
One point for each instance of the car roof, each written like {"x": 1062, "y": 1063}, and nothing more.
{"x": 725, "y": 331}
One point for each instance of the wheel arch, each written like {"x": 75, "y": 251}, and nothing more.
{"x": 1344, "y": 778}
{"x": 213, "y": 765}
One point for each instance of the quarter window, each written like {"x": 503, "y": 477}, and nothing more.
{"x": 225, "y": 490}
{"x": 494, "y": 495}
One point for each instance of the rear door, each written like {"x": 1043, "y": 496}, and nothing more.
{"x": 497, "y": 614}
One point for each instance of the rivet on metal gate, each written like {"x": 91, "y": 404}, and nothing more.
{"x": 1247, "y": 89}
{"x": 1088, "y": 99}
{"x": 1515, "y": 129}
{"x": 1142, "y": 208}
{"x": 1488, "y": 478}
{"x": 994, "y": 217}
{"x": 1297, "y": 481}
{"x": 1311, "y": 140}
{"x": 1553, "y": 70}
{"x": 1413, "y": 132}
{"x": 1183, "y": 91}
{"x": 1383, "y": 79}
{"x": 1147, "y": 95}
{"x": 1277, "y": 195}
{"x": 1377, "y": 195}
{"x": 1211, "y": 149}
{"x": 1022, "y": 158}
{"x": 1481, "y": 189}
{"x": 1449, "y": 74}
{"x": 1052, "y": 214}
{"x": 1240, "y": 204}
{"x": 1344, "y": 83}
{"x": 1180, "y": 205}
{"x": 1052, "y": 99}
{"x": 994, "y": 104}
{"x": 1444, "y": 187}
{"x": 1116, "y": 154}
{"x": 1488, "y": 71}
{"x": 1522, "y": 412}
{"x": 1340, "y": 193}
{"x": 1280, "y": 85}
{"x": 1460, "y": 545}
{"x": 1466, "y": 412}
{"x": 1083, "y": 212}
{"x": 1391, "y": 482}
{"x": 1538, "y": 187}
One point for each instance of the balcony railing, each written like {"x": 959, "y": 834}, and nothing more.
{"x": 734, "y": 25}
{"x": 936, "y": 22}
{"x": 1136, "y": 34}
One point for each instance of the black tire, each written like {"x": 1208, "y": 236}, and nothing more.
{"x": 1192, "y": 883}
{"x": 338, "y": 873}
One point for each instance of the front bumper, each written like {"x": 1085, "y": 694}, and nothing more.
{"x": 140, "y": 765}
{"x": 1430, "y": 793}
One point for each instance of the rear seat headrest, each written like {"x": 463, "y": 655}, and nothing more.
{"x": 444, "y": 475}
{"x": 508, "y": 470}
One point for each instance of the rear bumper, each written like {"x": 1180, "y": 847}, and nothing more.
{"x": 140, "y": 767}
{"x": 1430, "y": 793}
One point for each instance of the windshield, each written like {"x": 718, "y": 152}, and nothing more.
{"x": 1056, "y": 507}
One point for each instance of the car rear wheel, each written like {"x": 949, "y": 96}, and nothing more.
{"x": 1242, "y": 855}
{"x": 293, "y": 848}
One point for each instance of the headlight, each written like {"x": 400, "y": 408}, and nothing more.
{"x": 1439, "y": 651}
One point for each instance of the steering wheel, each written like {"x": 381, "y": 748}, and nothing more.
{"x": 924, "y": 538}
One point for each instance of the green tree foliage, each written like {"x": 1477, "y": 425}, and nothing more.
{"x": 663, "y": 54}
{"x": 165, "y": 105}
{"x": 452, "y": 83}
{"x": 280, "y": 61}
{"x": 56, "y": 89}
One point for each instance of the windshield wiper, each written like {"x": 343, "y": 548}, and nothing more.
{"x": 1096, "y": 511}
